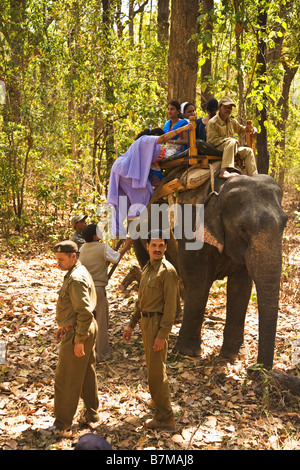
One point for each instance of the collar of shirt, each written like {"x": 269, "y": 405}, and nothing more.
{"x": 223, "y": 123}
{"x": 156, "y": 264}
{"x": 69, "y": 273}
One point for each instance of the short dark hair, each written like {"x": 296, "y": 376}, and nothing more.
{"x": 88, "y": 232}
{"x": 156, "y": 234}
{"x": 212, "y": 106}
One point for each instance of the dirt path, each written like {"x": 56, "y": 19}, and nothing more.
{"x": 217, "y": 405}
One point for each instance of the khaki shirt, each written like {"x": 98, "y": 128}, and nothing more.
{"x": 158, "y": 292}
{"x": 217, "y": 130}
{"x": 76, "y": 302}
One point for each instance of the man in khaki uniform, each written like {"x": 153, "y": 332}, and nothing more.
{"x": 220, "y": 131}
{"x": 79, "y": 223}
{"x": 75, "y": 375}
{"x": 156, "y": 308}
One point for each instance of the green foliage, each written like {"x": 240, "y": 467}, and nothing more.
{"x": 234, "y": 49}
{"x": 78, "y": 93}
{"x": 77, "y": 96}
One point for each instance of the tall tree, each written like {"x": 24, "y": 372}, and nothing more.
{"x": 262, "y": 138}
{"x": 132, "y": 14}
{"x": 183, "y": 53}
{"x": 17, "y": 125}
{"x": 239, "y": 8}
{"x": 73, "y": 34}
{"x": 207, "y": 33}
{"x": 283, "y": 105}
{"x": 287, "y": 54}
{"x": 163, "y": 13}
{"x": 107, "y": 19}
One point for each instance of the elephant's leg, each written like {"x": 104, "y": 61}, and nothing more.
{"x": 195, "y": 299}
{"x": 239, "y": 287}
{"x": 197, "y": 272}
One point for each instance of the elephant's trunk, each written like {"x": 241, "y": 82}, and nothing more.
{"x": 264, "y": 261}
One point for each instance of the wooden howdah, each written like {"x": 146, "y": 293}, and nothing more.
{"x": 199, "y": 153}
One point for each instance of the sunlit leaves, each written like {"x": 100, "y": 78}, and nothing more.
{"x": 67, "y": 77}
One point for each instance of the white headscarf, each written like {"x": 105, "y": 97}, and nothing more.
{"x": 182, "y": 107}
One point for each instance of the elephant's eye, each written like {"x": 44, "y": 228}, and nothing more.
{"x": 243, "y": 231}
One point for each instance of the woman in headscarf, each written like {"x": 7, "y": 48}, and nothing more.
{"x": 130, "y": 175}
{"x": 188, "y": 110}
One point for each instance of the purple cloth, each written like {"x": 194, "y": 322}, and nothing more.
{"x": 129, "y": 177}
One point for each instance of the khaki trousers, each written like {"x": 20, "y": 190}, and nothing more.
{"x": 230, "y": 149}
{"x": 156, "y": 369}
{"x": 75, "y": 377}
{"x": 102, "y": 319}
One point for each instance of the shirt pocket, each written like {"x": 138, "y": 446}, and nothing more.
{"x": 153, "y": 282}
{"x": 62, "y": 293}
{"x": 221, "y": 130}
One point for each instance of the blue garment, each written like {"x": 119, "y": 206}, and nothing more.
{"x": 200, "y": 130}
{"x": 92, "y": 441}
{"x": 167, "y": 128}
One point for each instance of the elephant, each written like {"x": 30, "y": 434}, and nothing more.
{"x": 243, "y": 229}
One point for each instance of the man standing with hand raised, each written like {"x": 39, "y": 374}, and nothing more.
{"x": 155, "y": 310}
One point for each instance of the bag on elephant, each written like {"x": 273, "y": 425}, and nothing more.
{"x": 196, "y": 176}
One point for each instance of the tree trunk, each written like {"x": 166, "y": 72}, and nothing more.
{"x": 283, "y": 105}
{"x": 120, "y": 26}
{"x": 108, "y": 85}
{"x": 163, "y": 13}
{"x": 130, "y": 23}
{"x": 262, "y": 139}
{"x": 239, "y": 30}
{"x": 132, "y": 13}
{"x": 183, "y": 54}
{"x": 15, "y": 33}
{"x": 206, "y": 90}
{"x": 73, "y": 55}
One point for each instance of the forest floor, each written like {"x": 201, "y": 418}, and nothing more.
{"x": 218, "y": 406}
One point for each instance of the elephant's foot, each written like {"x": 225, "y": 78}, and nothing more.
{"x": 232, "y": 353}
{"x": 231, "y": 357}
{"x": 188, "y": 347}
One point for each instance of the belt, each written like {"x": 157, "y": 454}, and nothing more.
{"x": 150, "y": 314}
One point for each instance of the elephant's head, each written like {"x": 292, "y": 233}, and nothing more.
{"x": 245, "y": 220}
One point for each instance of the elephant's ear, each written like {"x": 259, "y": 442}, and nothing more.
{"x": 213, "y": 226}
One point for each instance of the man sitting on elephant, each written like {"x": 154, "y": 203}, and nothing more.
{"x": 220, "y": 133}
